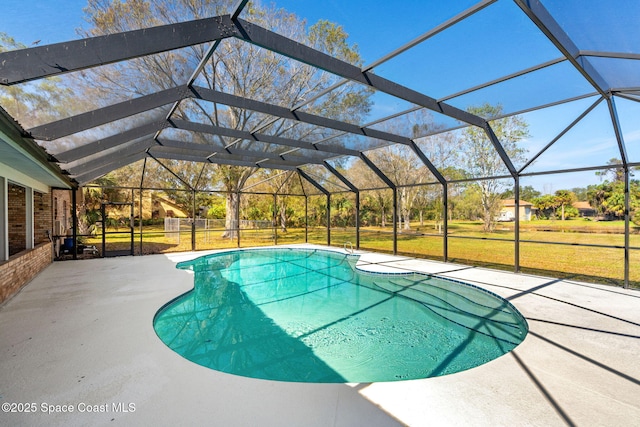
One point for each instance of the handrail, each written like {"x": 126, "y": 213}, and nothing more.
{"x": 345, "y": 247}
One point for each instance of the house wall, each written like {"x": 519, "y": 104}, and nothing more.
{"x": 28, "y": 254}
{"x": 23, "y": 267}
{"x": 41, "y": 217}
{"x": 525, "y": 212}
{"x": 17, "y": 208}
{"x": 16, "y": 217}
{"x": 26, "y": 182}
{"x": 61, "y": 212}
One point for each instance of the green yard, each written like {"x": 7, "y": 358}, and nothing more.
{"x": 467, "y": 243}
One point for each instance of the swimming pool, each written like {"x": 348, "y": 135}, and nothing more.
{"x": 309, "y": 315}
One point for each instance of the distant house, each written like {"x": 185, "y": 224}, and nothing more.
{"x": 155, "y": 206}
{"x": 509, "y": 210}
{"x": 164, "y": 208}
{"x": 584, "y": 209}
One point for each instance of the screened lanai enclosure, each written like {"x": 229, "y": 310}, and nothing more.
{"x": 503, "y": 133}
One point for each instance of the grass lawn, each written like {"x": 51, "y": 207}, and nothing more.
{"x": 567, "y": 261}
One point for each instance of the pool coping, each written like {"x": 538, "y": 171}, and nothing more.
{"x": 81, "y": 333}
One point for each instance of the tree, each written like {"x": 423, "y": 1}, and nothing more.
{"x": 443, "y": 150}
{"x": 581, "y": 193}
{"x": 468, "y": 203}
{"x": 564, "y": 198}
{"x": 483, "y": 161}
{"x": 377, "y": 200}
{"x": 616, "y": 173}
{"x": 282, "y": 184}
{"x": 527, "y": 193}
{"x": 608, "y": 198}
{"x": 427, "y": 197}
{"x": 236, "y": 67}
{"x": 403, "y": 168}
{"x": 546, "y": 205}
{"x": 215, "y": 209}
{"x": 373, "y": 207}
{"x": 35, "y": 103}
{"x": 89, "y": 205}
{"x": 454, "y": 192}
{"x": 614, "y": 204}
{"x": 343, "y": 210}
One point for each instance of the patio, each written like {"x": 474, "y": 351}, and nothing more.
{"x": 81, "y": 334}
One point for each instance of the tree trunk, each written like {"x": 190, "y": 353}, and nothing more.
{"x": 407, "y": 219}
{"x": 563, "y": 211}
{"x": 405, "y": 210}
{"x": 489, "y": 207}
{"x": 231, "y": 219}
{"x": 283, "y": 217}
{"x": 488, "y": 221}
{"x": 487, "y": 213}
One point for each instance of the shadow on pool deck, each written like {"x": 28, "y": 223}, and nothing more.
{"x": 81, "y": 333}
{"x": 596, "y": 363}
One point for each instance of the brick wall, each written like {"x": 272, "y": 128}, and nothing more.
{"x": 16, "y": 215}
{"x": 41, "y": 217}
{"x": 21, "y": 268}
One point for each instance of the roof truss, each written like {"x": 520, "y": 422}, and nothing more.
{"x": 101, "y": 154}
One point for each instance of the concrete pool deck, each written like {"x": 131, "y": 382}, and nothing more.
{"x": 80, "y": 334}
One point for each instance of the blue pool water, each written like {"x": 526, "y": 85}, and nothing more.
{"x": 310, "y": 316}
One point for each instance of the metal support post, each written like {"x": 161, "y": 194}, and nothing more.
{"x": 132, "y": 221}
{"x": 445, "y": 222}
{"x": 328, "y": 219}
{"x": 306, "y": 219}
{"x": 275, "y": 219}
{"x": 74, "y": 220}
{"x": 238, "y": 218}
{"x": 193, "y": 222}
{"x": 626, "y": 226}
{"x": 140, "y": 211}
{"x": 395, "y": 220}
{"x": 516, "y": 248}
{"x": 357, "y": 220}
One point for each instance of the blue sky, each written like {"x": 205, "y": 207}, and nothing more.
{"x": 376, "y": 33}
{"x": 50, "y": 21}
